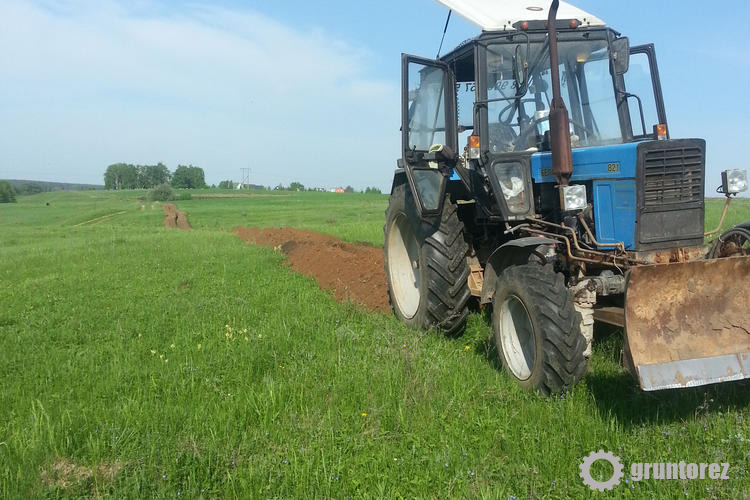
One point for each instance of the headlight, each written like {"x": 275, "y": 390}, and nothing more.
{"x": 734, "y": 181}
{"x": 513, "y": 186}
{"x": 574, "y": 197}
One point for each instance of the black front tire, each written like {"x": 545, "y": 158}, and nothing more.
{"x": 537, "y": 329}
{"x": 439, "y": 260}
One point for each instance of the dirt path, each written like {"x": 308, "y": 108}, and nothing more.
{"x": 175, "y": 219}
{"x": 352, "y": 271}
{"x": 98, "y": 219}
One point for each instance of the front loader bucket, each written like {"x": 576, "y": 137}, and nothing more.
{"x": 688, "y": 324}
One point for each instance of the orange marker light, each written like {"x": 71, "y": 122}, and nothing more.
{"x": 661, "y": 131}
{"x": 525, "y": 25}
{"x": 474, "y": 151}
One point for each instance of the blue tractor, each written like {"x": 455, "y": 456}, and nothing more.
{"x": 538, "y": 175}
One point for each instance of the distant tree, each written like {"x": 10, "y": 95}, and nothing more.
{"x": 149, "y": 176}
{"x": 296, "y": 186}
{"x": 188, "y": 177}
{"x": 7, "y": 193}
{"x": 227, "y": 185}
{"x": 121, "y": 176}
{"x": 180, "y": 177}
{"x": 372, "y": 190}
{"x": 348, "y": 189}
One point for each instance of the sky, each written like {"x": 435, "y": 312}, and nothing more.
{"x": 295, "y": 90}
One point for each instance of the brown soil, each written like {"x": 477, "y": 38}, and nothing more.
{"x": 352, "y": 271}
{"x": 175, "y": 219}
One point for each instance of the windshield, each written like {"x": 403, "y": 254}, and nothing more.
{"x": 586, "y": 85}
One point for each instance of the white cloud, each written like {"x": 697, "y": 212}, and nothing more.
{"x": 92, "y": 83}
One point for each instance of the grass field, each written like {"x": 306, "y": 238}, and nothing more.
{"x": 141, "y": 362}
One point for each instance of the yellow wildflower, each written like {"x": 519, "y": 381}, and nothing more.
{"x": 153, "y": 352}
{"x": 467, "y": 348}
{"x": 171, "y": 346}
{"x": 199, "y": 346}
{"x": 364, "y": 414}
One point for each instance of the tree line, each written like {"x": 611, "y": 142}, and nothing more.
{"x": 7, "y": 192}
{"x": 128, "y": 176}
{"x": 10, "y": 189}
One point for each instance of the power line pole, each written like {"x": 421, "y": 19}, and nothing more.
{"x": 245, "y": 177}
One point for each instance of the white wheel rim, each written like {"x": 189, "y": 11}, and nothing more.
{"x": 403, "y": 266}
{"x": 517, "y": 337}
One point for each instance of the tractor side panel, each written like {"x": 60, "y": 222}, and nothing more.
{"x": 614, "y": 211}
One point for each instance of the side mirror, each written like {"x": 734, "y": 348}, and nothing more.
{"x": 620, "y": 50}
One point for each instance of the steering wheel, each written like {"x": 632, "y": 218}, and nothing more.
{"x": 522, "y": 138}
{"x": 510, "y": 106}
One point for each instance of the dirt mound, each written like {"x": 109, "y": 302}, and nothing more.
{"x": 175, "y": 219}
{"x": 352, "y": 271}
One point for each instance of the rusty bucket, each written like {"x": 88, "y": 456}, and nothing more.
{"x": 688, "y": 324}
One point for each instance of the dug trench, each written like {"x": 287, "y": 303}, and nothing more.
{"x": 175, "y": 219}
{"x": 351, "y": 271}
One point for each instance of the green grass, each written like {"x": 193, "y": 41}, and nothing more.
{"x": 299, "y": 396}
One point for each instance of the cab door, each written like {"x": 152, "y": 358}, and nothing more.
{"x": 642, "y": 83}
{"x": 428, "y": 124}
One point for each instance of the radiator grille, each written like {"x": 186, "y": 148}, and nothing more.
{"x": 673, "y": 176}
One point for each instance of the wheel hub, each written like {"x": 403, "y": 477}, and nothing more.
{"x": 403, "y": 266}
{"x": 517, "y": 337}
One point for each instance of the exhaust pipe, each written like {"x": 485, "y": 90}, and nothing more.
{"x": 559, "y": 127}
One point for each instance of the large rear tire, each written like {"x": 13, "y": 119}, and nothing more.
{"x": 537, "y": 329}
{"x": 425, "y": 265}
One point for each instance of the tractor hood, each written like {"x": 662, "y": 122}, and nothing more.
{"x": 492, "y": 15}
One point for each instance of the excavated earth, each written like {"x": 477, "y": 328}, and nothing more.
{"x": 352, "y": 271}
{"x": 175, "y": 219}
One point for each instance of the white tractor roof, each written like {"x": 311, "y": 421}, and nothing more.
{"x": 501, "y": 15}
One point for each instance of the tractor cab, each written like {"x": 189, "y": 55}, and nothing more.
{"x": 507, "y": 75}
